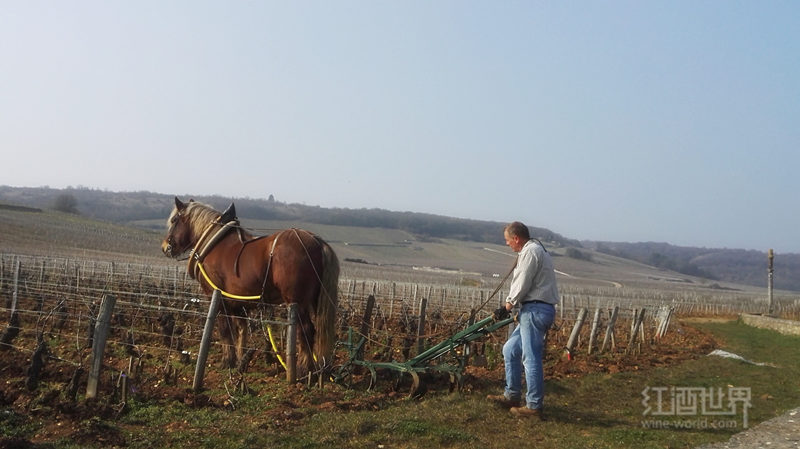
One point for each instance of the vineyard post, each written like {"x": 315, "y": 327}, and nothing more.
{"x": 41, "y": 274}
{"x": 593, "y": 334}
{"x": 205, "y": 342}
{"x": 175, "y": 282}
{"x": 770, "y": 256}
{"x": 466, "y": 351}
{"x": 573, "y": 337}
{"x": 291, "y": 345}
{"x": 14, "y": 295}
{"x": 423, "y": 303}
{"x": 99, "y": 343}
{"x": 637, "y": 322}
{"x": 365, "y": 320}
{"x": 610, "y": 328}
{"x": 13, "y": 329}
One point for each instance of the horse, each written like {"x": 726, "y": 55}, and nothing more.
{"x": 292, "y": 266}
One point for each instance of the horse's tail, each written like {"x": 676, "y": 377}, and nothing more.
{"x": 326, "y": 307}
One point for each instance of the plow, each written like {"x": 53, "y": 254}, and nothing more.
{"x": 441, "y": 358}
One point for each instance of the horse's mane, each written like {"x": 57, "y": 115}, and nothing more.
{"x": 199, "y": 216}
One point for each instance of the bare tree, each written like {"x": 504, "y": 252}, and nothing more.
{"x": 66, "y": 203}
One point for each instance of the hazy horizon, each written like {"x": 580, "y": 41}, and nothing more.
{"x": 243, "y": 213}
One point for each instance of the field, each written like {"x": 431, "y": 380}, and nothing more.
{"x": 69, "y": 264}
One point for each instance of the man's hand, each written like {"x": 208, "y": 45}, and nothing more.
{"x": 500, "y": 314}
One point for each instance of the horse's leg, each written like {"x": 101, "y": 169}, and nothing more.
{"x": 225, "y": 323}
{"x": 242, "y": 330}
{"x": 305, "y": 340}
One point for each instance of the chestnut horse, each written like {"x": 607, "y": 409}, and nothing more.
{"x": 293, "y": 266}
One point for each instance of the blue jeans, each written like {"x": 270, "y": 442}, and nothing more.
{"x": 525, "y": 348}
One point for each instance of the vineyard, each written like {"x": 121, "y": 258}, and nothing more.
{"x": 52, "y": 307}
{"x": 159, "y": 312}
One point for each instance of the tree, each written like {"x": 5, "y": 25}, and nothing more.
{"x": 66, "y": 203}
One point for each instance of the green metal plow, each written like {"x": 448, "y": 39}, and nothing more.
{"x": 422, "y": 363}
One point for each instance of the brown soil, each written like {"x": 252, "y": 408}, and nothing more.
{"x": 67, "y": 416}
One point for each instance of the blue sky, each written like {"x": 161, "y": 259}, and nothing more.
{"x": 622, "y": 121}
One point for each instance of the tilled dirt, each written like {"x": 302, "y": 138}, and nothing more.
{"x": 62, "y": 412}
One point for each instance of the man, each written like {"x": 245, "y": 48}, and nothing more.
{"x": 533, "y": 288}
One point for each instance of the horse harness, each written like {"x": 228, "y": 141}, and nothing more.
{"x": 196, "y": 256}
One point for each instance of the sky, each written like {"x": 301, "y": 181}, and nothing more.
{"x": 673, "y": 121}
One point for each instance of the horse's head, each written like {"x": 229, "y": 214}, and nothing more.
{"x": 188, "y": 222}
{"x": 179, "y": 233}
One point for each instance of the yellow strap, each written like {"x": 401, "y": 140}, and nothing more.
{"x": 224, "y": 293}
{"x": 274, "y": 348}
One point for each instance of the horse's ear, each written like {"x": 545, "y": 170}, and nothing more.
{"x": 179, "y": 204}
{"x": 229, "y": 214}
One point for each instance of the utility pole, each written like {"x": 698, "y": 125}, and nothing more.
{"x": 770, "y": 256}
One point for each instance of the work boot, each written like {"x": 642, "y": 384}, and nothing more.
{"x": 525, "y": 412}
{"x": 502, "y": 400}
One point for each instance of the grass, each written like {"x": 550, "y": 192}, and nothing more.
{"x": 591, "y": 411}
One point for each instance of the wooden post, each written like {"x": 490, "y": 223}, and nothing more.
{"x": 41, "y": 274}
{"x": 99, "y": 343}
{"x": 666, "y": 322}
{"x": 593, "y": 334}
{"x": 637, "y": 322}
{"x": 365, "y": 321}
{"x": 662, "y": 316}
{"x": 291, "y": 345}
{"x": 610, "y": 329}
{"x": 423, "y": 303}
{"x": 466, "y": 350}
{"x": 14, "y": 295}
{"x": 770, "y": 256}
{"x": 573, "y": 337}
{"x": 205, "y": 342}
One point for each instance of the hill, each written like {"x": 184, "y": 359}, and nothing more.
{"x": 140, "y": 207}
{"x": 387, "y": 237}
{"x": 365, "y": 253}
{"x": 739, "y": 266}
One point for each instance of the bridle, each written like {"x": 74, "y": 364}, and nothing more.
{"x": 170, "y": 240}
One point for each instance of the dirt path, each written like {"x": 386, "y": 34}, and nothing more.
{"x": 782, "y": 432}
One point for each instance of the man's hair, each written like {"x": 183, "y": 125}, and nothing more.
{"x": 518, "y": 229}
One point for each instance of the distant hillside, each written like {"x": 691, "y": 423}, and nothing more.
{"x": 730, "y": 265}
{"x": 151, "y": 209}
{"x": 132, "y": 207}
